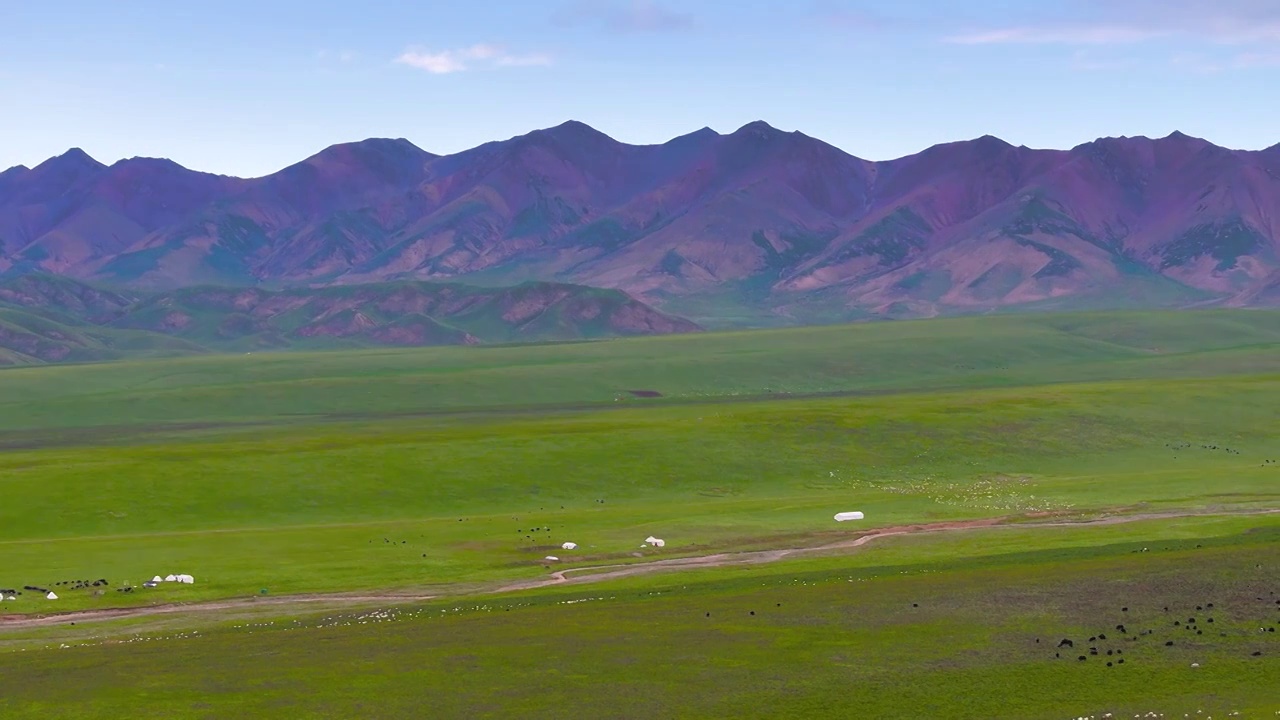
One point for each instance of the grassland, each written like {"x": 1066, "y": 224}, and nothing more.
{"x": 962, "y": 636}
{"x": 907, "y": 356}
{"x": 425, "y": 473}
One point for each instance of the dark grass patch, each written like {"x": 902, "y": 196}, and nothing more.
{"x": 956, "y": 642}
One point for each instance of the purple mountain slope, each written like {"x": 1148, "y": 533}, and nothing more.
{"x": 768, "y": 220}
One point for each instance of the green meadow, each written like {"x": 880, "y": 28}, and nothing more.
{"x": 929, "y": 634}
{"x": 365, "y": 478}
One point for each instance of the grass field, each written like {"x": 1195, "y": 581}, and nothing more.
{"x": 951, "y": 636}
{"x": 906, "y": 356}
{"x": 452, "y": 472}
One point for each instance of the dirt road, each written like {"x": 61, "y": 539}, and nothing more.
{"x": 599, "y": 573}
{"x": 19, "y": 621}
{"x": 610, "y": 572}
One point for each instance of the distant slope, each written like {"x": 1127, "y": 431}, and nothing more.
{"x": 51, "y": 319}
{"x": 758, "y": 226}
{"x": 29, "y": 338}
{"x": 950, "y": 354}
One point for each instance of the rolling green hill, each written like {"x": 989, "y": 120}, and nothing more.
{"x": 367, "y": 526}
{"x": 875, "y": 358}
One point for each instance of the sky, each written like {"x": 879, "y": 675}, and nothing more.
{"x": 246, "y": 87}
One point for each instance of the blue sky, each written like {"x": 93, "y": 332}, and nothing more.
{"x": 246, "y": 87}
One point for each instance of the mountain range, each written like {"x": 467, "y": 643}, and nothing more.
{"x": 758, "y": 226}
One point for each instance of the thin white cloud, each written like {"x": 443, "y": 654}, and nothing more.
{"x": 445, "y": 62}
{"x": 1220, "y": 21}
{"x": 624, "y": 15}
{"x": 342, "y": 56}
{"x": 1088, "y": 60}
{"x": 1197, "y": 64}
{"x": 1066, "y": 35}
{"x": 1261, "y": 59}
{"x": 439, "y": 63}
{"x": 531, "y": 60}
{"x": 830, "y": 15}
{"x": 1127, "y": 22}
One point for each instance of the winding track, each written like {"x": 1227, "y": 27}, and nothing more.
{"x": 600, "y": 573}
{"x": 610, "y": 572}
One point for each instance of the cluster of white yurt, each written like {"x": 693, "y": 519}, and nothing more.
{"x": 182, "y": 579}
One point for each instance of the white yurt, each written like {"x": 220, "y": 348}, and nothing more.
{"x": 157, "y": 579}
{"x": 171, "y": 578}
{"x": 844, "y": 516}
{"x": 552, "y": 558}
{"x": 51, "y": 596}
{"x": 569, "y": 546}
{"x": 186, "y": 579}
